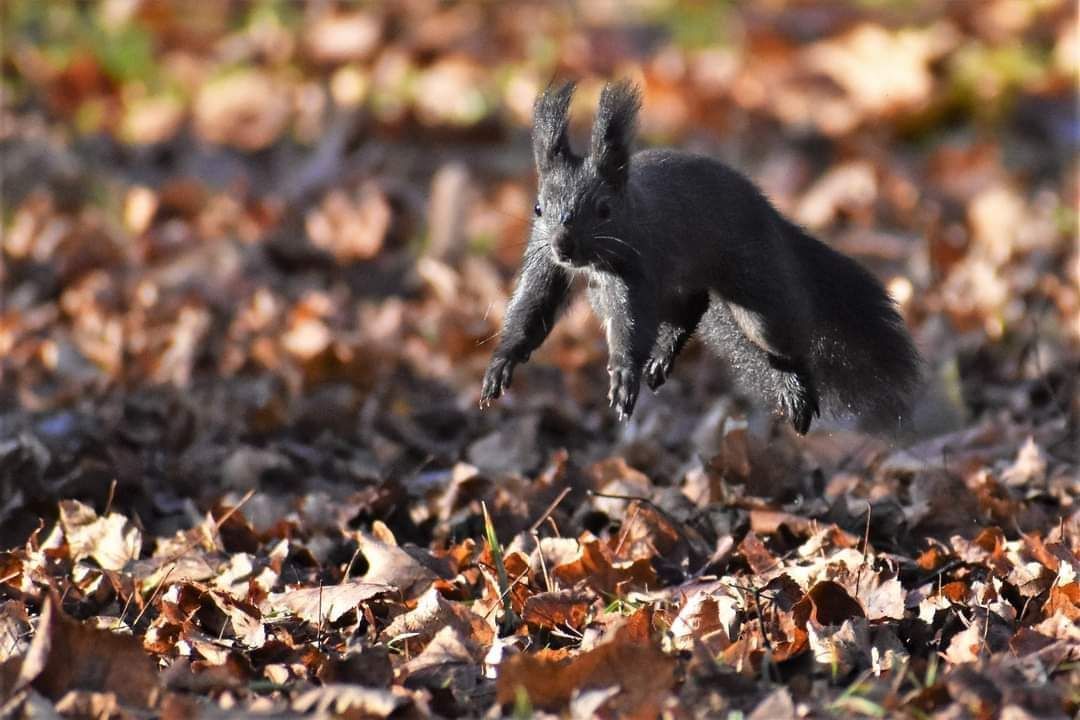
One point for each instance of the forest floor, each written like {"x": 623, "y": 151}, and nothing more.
{"x": 254, "y": 257}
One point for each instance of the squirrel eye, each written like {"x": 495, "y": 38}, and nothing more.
{"x": 603, "y": 209}
{"x": 536, "y": 210}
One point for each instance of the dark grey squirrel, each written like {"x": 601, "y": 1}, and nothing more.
{"x": 673, "y": 243}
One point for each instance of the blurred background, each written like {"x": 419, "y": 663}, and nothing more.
{"x": 264, "y": 218}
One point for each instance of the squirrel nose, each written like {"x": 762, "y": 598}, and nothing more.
{"x": 566, "y": 219}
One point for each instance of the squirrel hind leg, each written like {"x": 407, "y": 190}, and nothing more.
{"x": 798, "y": 397}
{"x": 767, "y": 376}
{"x": 799, "y": 400}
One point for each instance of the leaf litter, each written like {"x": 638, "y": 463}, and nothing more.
{"x": 241, "y": 468}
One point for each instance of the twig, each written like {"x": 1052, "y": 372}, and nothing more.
{"x": 936, "y": 575}
{"x": 112, "y": 494}
{"x": 504, "y": 596}
{"x": 626, "y": 529}
{"x": 14, "y": 640}
{"x": 232, "y": 511}
{"x": 543, "y": 564}
{"x": 865, "y": 548}
{"x": 629, "y": 498}
{"x": 123, "y": 612}
{"x": 748, "y": 589}
{"x": 318, "y": 632}
{"x": 986, "y": 629}
{"x": 348, "y": 568}
{"x": 153, "y": 596}
{"x": 766, "y": 662}
{"x": 550, "y": 509}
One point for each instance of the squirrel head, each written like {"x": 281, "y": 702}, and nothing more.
{"x": 582, "y": 199}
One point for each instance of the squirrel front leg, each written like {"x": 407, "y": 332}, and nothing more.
{"x": 632, "y": 324}
{"x": 678, "y": 322}
{"x": 534, "y": 306}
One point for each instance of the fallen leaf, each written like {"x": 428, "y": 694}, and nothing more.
{"x": 840, "y": 648}
{"x": 246, "y": 109}
{"x": 886, "y": 601}
{"x": 594, "y": 568}
{"x": 432, "y": 613}
{"x": 353, "y": 701}
{"x": 111, "y": 541}
{"x": 67, "y": 655}
{"x": 706, "y": 616}
{"x": 627, "y": 661}
{"x": 758, "y": 557}
{"x": 827, "y": 603}
{"x": 565, "y": 608}
{"x": 327, "y": 603}
{"x": 391, "y": 565}
{"x": 777, "y": 706}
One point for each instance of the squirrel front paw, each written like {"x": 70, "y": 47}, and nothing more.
{"x": 657, "y": 370}
{"x": 623, "y": 391}
{"x": 496, "y": 379}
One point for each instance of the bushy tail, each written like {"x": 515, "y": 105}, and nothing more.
{"x": 861, "y": 354}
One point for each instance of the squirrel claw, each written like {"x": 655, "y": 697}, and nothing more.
{"x": 624, "y": 391}
{"x": 656, "y": 372}
{"x": 496, "y": 380}
{"x": 800, "y": 401}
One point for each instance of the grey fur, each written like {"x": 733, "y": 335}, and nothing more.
{"x": 674, "y": 243}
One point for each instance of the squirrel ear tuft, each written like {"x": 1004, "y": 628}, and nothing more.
{"x": 613, "y": 130}
{"x": 551, "y": 123}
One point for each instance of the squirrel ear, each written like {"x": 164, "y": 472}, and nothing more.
{"x": 551, "y": 123}
{"x": 613, "y": 130}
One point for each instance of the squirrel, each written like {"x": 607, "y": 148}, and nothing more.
{"x": 672, "y": 244}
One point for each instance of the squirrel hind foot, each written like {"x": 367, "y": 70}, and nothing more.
{"x": 799, "y": 401}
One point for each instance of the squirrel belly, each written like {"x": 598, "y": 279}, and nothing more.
{"x": 676, "y": 244}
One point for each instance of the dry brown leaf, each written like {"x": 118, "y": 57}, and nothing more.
{"x": 648, "y": 532}
{"x": 768, "y": 522}
{"x": 595, "y": 569}
{"x": 777, "y": 706}
{"x": 840, "y": 648}
{"x": 246, "y": 109}
{"x": 327, "y": 603}
{"x": 15, "y": 629}
{"x": 353, "y": 701}
{"x": 68, "y": 655}
{"x": 1064, "y": 599}
{"x": 341, "y": 37}
{"x": 246, "y": 620}
{"x": 432, "y": 613}
{"x": 111, "y": 541}
{"x": 708, "y": 616}
{"x": 886, "y": 601}
{"x": 758, "y": 557}
{"x": 449, "y": 646}
{"x": 827, "y": 603}
{"x": 1029, "y": 467}
{"x": 882, "y": 70}
{"x": 931, "y": 559}
{"x": 631, "y": 660}
{"x": 565, "y": 608}
{"x": 351, "y": 228}
{"x": 391, "y": 565}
